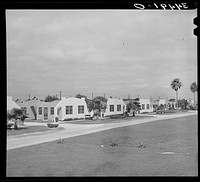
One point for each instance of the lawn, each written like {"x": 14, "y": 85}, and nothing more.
{"x": 109, "y": 120}
{"x": 29, "y": 129}
{"x": 94, "y": 154}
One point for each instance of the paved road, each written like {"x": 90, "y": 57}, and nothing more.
{"x": 72, "y": 130}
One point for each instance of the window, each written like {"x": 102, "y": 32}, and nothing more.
{"x": 111, "y": 108}
{"x": 52, "y": 110}
{"x": 69, "y": 109}
{"x": 118, "y": 107}
{"x": 143, "y": 106}
{"x": 147, "y": 106}
{"x": 40, "y": 110}
{"x": 80, "y": 109}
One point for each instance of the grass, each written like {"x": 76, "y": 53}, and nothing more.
{"x": 109, "y": 120}
{"x": 94, "y": 154}
{"x": 167, "y": 112}
{"x": 29, "y": 129}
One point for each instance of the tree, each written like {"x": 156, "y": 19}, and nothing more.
{"x": 50, "y": 98}
{"x": 99, "y": 104}
{"x": 83, "y": 96}
{"x": 16, "y": 114}
{"x": 80, "y": 96}
{"x": 133, "y": 105}
{"x": 176, "y": 84}
{"x": 183, "y": 103}
{"x": 194, "y": 88}
{"x": 90, "y": 105}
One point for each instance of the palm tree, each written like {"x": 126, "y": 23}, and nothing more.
{"x": 99, "y": 104}
{"x": 176, "y": 84}
{"x": 194, "y": 88}
{"x": 133, "y": 106}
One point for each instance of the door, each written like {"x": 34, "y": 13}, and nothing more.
{"x": 45, "y": 113}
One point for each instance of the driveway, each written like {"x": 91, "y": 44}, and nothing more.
{"x": 72, "y": 130}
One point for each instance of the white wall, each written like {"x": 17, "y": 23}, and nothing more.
{"x": 145, "y": 102}
{"x": 162, "y": 101}
{"x": 48, "y": 105}
{"x": 11, "y": 104}
{"x": 28, "y": 104}
{"x": 115, "y": 102}
{"x": 72, "y": 101}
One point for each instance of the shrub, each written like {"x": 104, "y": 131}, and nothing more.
{"x": 117, "y": 116}
{"x": 67, "y": 119}
{"x": 56, "y": 119}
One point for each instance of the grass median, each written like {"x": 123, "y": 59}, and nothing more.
{"x": 168, "y": 147}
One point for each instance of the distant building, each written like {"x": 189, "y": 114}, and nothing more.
{"x": 190, "y": 102}
{"x": 11, "y": 104}
{"x": 171, "y": 104}
{"x": 146, "y": 106}
{"x": 159, "y": 102}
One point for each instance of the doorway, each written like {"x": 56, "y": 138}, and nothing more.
{"x": 45, "y": 113}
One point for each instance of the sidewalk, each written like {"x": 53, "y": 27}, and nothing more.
{"x": 72, "y": 130}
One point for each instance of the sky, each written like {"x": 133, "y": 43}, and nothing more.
{"x": 111, "y": 52}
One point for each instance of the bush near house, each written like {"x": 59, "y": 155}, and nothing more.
{"x": 133, "y": 106}
{"x": 16, "y": 115}
{"x": 72, "y": 119}
{"x": 117, "y": 116}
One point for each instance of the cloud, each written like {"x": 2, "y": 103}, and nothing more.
{"x": 110, "y": 51}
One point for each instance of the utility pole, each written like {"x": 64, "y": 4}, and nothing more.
{"x": 92, "y": 95}
{"x": 60, "y": 94}
{"x": 29, "y": 96}
{"x": 104, "y": 95}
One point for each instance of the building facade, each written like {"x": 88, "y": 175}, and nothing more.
{"x": 39, "y": 110}
{"x": 146, "y": 106}
{"x": 115, "y": 106}
{"x": 71, "y": 108}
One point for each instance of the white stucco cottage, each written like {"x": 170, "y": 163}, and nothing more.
{"x": 39, "y": 110}
{"x": 146, "y": 106}
{"x": 115, "y": 106}
{"x": 71, "y": 108}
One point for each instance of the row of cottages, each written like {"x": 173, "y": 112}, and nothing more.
{"x": 72, "y": 107}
